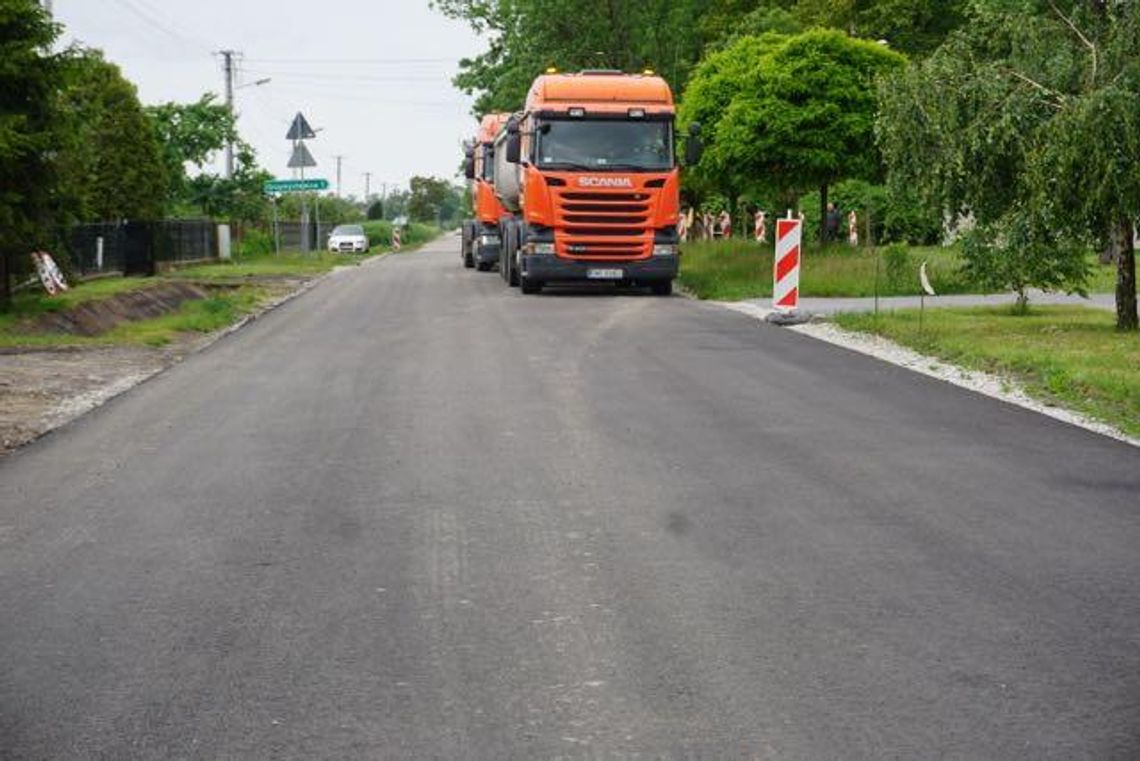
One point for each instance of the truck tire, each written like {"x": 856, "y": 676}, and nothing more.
{"x": 662, "y": 288}
{"x": 512, "y": 257}
{"x": 504, "y": 252}
{"x": 468, "y": 244}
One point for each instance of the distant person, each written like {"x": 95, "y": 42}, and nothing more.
{"x": 831, "y": 224}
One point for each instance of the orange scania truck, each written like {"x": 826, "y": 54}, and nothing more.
{"x": 480, "y": 241}
{"x": 587, "y": 175}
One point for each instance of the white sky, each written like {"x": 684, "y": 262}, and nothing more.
{"x": 374, "y": 74}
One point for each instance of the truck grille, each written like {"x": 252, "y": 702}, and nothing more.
{"x": 603, "y": 225}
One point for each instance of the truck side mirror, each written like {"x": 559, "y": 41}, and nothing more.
{"x": 514, "y": 147}
{"x": 694, "y": 147}
{"x": 469, "y": 167}
{"x": 513, "y": 125}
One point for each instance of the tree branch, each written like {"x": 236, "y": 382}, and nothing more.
{"x": 1088, "y": 43}
{"x": 1058, "y": 97}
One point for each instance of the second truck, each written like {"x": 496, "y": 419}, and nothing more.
{"x": 588, "y": 179}
{"x": 480, "y": 242}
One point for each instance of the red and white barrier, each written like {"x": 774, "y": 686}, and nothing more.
{"x": 786, "y": 271}
{"x": 760, "y": 229}
{"x": 395, "y": 239}
{"x": 49, "y": 273}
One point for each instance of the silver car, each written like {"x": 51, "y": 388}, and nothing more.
{"x": 348, "y": 239}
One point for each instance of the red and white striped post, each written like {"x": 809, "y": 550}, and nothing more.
{"x": 786, "y": 270}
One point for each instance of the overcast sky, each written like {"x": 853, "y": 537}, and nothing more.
{"x": 374, "y": 74}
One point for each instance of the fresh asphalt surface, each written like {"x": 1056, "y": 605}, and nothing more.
{"x": 415, "y": 514}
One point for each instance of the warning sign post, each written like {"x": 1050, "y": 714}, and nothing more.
{"x": 786, "y": 273}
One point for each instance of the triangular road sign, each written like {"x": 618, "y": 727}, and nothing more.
{"x": 300, "y": 130}
{"x": 301, "y": 157}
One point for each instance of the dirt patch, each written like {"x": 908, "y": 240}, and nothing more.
{"x": 95, "y": 317}
{"x": 44, "y": 389}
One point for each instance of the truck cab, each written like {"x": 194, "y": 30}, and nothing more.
{"x": 588, "y": 171}
{"x": 480, "y": 241}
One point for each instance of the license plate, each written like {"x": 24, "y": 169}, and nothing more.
{"x": 593, "y": 274}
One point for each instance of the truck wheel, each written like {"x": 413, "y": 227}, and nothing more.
{"x": 662, "y": 288}
{"x": 468, "y": 244}
{"x": 482, "y": 266}
{"x": 513, "y": 258}
{"x": 504, "y": 252}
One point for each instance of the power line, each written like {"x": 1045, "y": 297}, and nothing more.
{"x": 157, "y": 25}
{"x": 363, "y": 61}
{"x": 351, "y": 77}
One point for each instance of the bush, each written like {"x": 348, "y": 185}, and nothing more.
{"x": 254, "y": 242}
{"x": 380, "y": 233}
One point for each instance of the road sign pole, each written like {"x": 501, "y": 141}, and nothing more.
{"x": 276, "y": 229}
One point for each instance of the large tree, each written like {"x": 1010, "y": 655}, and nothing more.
{"x": 432, "y": 199}
{"x": 111, "y": 164}
{"x": 191, "y": 134}
{"x": 790, "y": 113}
{"x": 670, "y": 36}
{"x": 30, "y": 126}
{"x": 1027, "y": 120}
{"x": 915, "y": 27}
{"x": 526, "y": 36}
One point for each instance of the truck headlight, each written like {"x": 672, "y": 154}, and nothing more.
{"x": 488, "y": 240}
{"x": 540, "y": 248}
{"x": 664, "y": 249}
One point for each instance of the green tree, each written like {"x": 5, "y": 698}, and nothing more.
{"x": 190, "y": 134}
{"x": 431, "y": 199}
{"x": 1028, "y": 120}
{"x": 914, "y": 27}
{"x": 527, "y": 36}
{"x": 111, "y": 165}
{"x": 30, "y": 133}
{"x": 790, "y": 113}
{"x": 375, "y": 210}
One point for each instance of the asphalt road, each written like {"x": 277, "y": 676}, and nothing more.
{"x": 414, "y": 514}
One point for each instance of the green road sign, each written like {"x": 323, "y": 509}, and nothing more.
{"x": 294, "y": 186}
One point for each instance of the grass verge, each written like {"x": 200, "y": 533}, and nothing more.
{"x": 742, "y": 269}
{"x": 268, "y": 265}
{"x": 198, "y": 316}
{"x": 201, "y": 316}
{"x": 1070, "y": 356}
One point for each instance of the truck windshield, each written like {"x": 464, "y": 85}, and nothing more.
{"x": 610, "y": 144}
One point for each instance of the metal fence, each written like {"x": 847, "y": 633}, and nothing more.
{"x": 292, "y": 235}
{"x": 140, "y": 247}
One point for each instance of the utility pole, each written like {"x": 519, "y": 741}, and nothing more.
{"x": 228, "y": 63}
{"x": 367, "y": 185}
{"x": 339, "y": 159}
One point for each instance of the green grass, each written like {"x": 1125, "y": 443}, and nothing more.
{"x": 1071, "y": 356}
{"x": 199, "y": 316}
{"x": 742, "y": 269}
{"x": 269, "y": 265}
